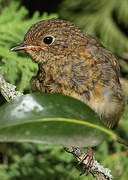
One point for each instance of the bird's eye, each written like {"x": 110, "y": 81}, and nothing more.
{"x": 48, "y": 40}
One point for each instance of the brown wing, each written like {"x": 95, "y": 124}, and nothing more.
{"x": 104, "y": 75}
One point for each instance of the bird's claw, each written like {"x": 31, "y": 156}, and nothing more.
{"x": 90, "y": 159}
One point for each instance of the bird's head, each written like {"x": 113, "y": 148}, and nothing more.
{"x": 50, "y": 39}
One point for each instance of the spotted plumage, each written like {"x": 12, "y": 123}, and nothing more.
{"x": 75, "y": 64}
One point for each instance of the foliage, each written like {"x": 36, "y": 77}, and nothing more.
{"x": 35, "y": 161}
{"x": 100, "y": 18}
{"x": 17, "y": 68}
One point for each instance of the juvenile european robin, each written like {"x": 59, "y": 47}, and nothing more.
{"x": 75, "y": 64}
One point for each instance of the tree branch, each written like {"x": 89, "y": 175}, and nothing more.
{"x": 97, "y": 170}
{"x": 8, "y": 90}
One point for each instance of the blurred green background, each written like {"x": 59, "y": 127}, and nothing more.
{"x": 108, "y": 21}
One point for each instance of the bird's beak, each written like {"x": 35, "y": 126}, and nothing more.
{"x": 21, "y": 46}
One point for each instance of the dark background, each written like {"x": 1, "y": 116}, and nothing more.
{"x": 42, "y": 6}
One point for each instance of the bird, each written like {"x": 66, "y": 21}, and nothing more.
{"x": 75, "y": 64}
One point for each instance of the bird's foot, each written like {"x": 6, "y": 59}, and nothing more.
{"x": 90, "y": 159}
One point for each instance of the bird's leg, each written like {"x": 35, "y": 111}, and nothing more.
{"x": 89, "y": 158}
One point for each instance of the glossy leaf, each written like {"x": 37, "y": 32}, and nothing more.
{"x": 51, "y": 119}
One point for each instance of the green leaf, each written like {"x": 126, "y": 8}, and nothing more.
{"x": 51, "y": 119}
